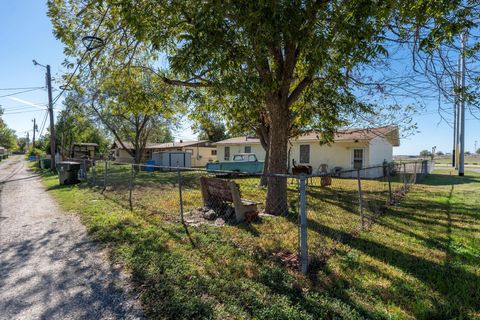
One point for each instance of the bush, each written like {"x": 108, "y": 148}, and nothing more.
{"x": 36, "y": 152}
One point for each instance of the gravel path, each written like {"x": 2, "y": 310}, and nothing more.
{"x": 49, "y": 269}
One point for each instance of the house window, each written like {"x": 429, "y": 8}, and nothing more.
{"x": 214, "y": 152}
{"x": 248, "y": 149}
{"x": 305, "y": 153}
{"x": 227, "y": 153}
{"x": 189, "y": 151}
{"x": 357, "y": 158}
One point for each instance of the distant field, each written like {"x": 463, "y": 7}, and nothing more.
{"x": 469, "y": 160}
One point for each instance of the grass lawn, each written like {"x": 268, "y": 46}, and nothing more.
{"x": 419, "y": 260}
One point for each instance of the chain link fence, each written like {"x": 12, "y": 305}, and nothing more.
{"x": 340, "y": 204}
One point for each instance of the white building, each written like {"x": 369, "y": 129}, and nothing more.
{"x": 351, "y": 149}
{"x": 202, "y": 151}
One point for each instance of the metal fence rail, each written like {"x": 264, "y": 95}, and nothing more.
{"x": 341, "y": 203}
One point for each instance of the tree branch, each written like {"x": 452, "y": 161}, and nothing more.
{"x": 298, "y": 90}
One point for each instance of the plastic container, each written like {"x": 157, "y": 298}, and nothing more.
{"x": 150, "y": 164}
{"x": 68, "y": 172}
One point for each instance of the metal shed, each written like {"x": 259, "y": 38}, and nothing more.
{"x": 173, "y": 159}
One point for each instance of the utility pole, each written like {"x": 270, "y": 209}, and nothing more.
{"x": 34, "y": 129}
{"x": 50, "y": 111}
{"x": 461, "y": 167}
{"x": 52, "y": 125}
{"x": 457, "y": 113}
{"x": 455, "y": 103}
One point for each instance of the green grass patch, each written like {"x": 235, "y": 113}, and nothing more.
{"x": 419, "y": 260}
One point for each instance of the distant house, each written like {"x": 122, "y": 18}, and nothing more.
{"x": 203, "y": 151}
{"x": 352, "y": 148}
{"x": 84, "y": 149}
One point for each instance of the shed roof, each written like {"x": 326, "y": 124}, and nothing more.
{"x": 88, "y": 144}
{"x": 129, "y": 145}
{"x": 180, "y": 144}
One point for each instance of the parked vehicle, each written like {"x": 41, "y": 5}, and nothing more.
{"x": 242, "y": 162}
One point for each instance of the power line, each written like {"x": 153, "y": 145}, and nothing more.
{"x": 22, "y": 107}
{"x": 43, "y": 123}
{"x": 26, "y": 88}
{"x": 24, "y": 111}
{"x": 20, "y": 92}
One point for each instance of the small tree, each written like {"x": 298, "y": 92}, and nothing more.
{"x": 76, "y": 124}
{"x": 425, "y": 153}
{"x": 131, "y": 106}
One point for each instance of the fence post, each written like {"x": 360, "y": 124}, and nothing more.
{"x": 415, "y": 170}
{"x": 130, "y": 187}
{"x": 405, "y": 176}
{"x": 105, "y": 175}
{"x": 85, "y": 170}
{"x": 94, "y": 166}
{"x": 389, "y": 184}
{"x": 303, "y": 226}
{"x": 180, "y": 194}
{"x": 360, "y": 198}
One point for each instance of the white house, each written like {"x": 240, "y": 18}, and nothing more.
{"x": 351, "y": 149}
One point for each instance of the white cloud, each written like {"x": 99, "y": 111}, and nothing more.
{"x": 27, "y": 102}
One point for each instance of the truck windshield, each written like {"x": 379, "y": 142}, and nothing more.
{"x": 239, "y": 157}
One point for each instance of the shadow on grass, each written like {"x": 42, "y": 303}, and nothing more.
{"x": 444, "y": 180}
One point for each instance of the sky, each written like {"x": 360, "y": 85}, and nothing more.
{"x": 26, "y": 34}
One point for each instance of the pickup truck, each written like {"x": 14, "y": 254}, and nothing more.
{"x": 242, "y": 162}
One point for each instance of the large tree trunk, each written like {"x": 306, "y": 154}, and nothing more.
{"x": 263, "y": 134}
{"x": 277, "y": 162}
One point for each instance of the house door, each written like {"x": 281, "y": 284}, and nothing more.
{"x": 357, "y": 158}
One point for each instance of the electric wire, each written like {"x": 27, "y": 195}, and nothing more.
{"x": 25, "y": 88}
{"x": 20, "y": 92}
{"x": 24, "y": 111}
{"x": 43, "y": 123}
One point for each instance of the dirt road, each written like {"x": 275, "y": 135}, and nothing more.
{"x": 49, "y": 269}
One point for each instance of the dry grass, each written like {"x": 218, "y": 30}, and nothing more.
{"x": 421, "y": 259}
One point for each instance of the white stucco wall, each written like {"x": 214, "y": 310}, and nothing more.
{"x": 201, "y": 155}
{"x": 122, "y": 155}
{"x": 335, "y": 155}
{"x": 338, "y": 154}
{"x": 239, "y": 148}
{"x": 380, "y": 150}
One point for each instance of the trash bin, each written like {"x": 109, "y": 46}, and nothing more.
{"x": 149, "y": 165}
{"x": 45, "y": 163}
{"x": 68, "y": 172}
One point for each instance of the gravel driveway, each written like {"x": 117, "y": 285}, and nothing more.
{"x": 49, "y": 269}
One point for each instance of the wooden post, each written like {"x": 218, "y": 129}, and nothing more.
{"x": 180, "y": 195}
{"x": 130, "y": 187}
{"x": 360, "y": 199}
{"x": 415, "y": 170}
{"x": 389, "y": 184}
{"x": 303, "y": 226}
{"x": 105, "y": 175}
{"x": 94, "y": 166}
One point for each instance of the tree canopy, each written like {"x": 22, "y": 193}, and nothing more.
{"x": 8, "y": 138}
{"x": 282, "y": 63}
